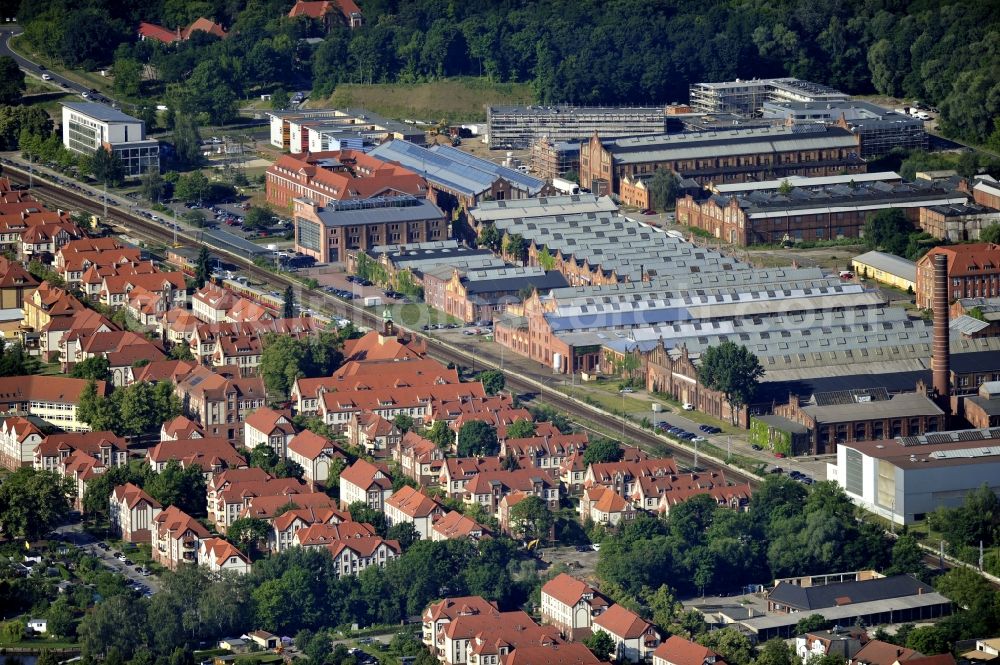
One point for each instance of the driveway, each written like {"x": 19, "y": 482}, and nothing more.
{"x": 75, "y": 535}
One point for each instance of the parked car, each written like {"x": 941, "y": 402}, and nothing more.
{"x": 688, "y": 406}
{"x": 754, "y": 446}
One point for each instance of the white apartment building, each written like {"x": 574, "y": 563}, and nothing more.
{"x": 86, "y": 126}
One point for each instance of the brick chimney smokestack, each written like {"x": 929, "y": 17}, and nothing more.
{"x": 940, "y": 361}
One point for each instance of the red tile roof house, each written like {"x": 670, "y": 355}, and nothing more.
{"x": 571, "y": 605}
{"x": 122, "y": 349}
{"x": 132, "y": 513}
{"x": 414, "y": 507}
{"x": 328, "y": 11}
{"x": 571, "y": 653}
{"x": 220, "y": 403}
{"x": 212, "y": 454}
{"x": 321, "y": 535}
{"x": 176, "y": 538}
{"x": 166, "y": 36}
{"x": 371, "y": 375}
{"x": 79, "y": 468}
{"x": 419, "y": 459}
{"x": 735, "y": 497}
{"x": 336, "y": 408}
{"x": 19, "y": 438}
{"x": 267, "y": 507}
{"x": 53, "y": 399}
{"x": 453, "y": 525}
{"x": 437, "y": 615}
{"x": 180, "y": 427}
{"x": 316, "y": 455}
{"x": 676, "y": 650}
{"x": 221, "y": 556}
{"x": 376, "y": 435}
{"x": 52, "y": 336}
{"x": 456, "y": 472}
{"x": 269, "y": 427}
{"x": 635, "y": 638}
{"x": 353, "y": 555}
{"x": 485, "y": 638}
{"x": 365, "y": 482}
{"x": 286, "y": 525}
{"x": 545, "y": 452}
{"x": 230, "y": 492}
{"x": 171, "y": 287}
{"x": 109, "y": 448}
{"x": 210, "y": 303}
{"x": 602, "y": 505}
{"x": 622, "y": 476}
{"x": 487, "y": 489}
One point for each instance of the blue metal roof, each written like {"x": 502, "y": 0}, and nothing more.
{"x": 453, "y": 169}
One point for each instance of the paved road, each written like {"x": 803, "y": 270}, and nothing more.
{"x": 34, "y": 69}
{"x": 74, "y": 534}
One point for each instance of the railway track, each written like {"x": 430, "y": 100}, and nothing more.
{"x": 588, "y": 416}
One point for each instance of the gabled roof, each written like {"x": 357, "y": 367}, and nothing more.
{"x": 363, "y": 546}
{"x": 21, "y": 427}
{"x": 175, "y": 523}
{"x": 569, "y": 653}
{"x": 221, "y": 550}
{"x": 847, "y": 593}
{"x": 207, "y": 452}
{"x": 877, "y": 652}
{"x": 157, "y": 32}
{"x": 37, "y": 388}
{"x": 319, "y": 534}
{"x": 449, "y": 608}
{"x": 454, "y": 524}
{"x": 311, "y": 515}
{"x": 204, "y": 25}
{"x": 131, "y": 495}
{"x": 310, "y": 445}
{"x": 364, "y": 474}
{"x": 569, "y": 591}
{"x": 413, "y": 502}
{"x": 266, "y": 420}
{"x": 678, "y": 651}
{"x": 622, "y": 622}
{"x": 265, "y": 507}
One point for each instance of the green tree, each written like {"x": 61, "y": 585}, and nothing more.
{"x": 785, "y": 188}
{"x": 288, "y": 303}
{"x": 60, "y": 619}
{"x": 258, "y": 218}
{"x": 774, "y": 652}
{"x": 201, "y": 267}
{"x": 493, "y": 381}
{"x": 516, "y": 247}
{"x": 281, "y": 363}
{"x": 990, "y": 234}
{"x": 179, "y": 486}
{"x": 362, "y": 512}
{"x": 248, "y": 533}
{"x": 964, "y": 586}
{"x": 732, "y": 370}
{"x": 811, "y": 623}
{"x": 12, "y": 84}
{"x": 32, "y": 502}
{"x": 192, "y": 187}
{"x": 476, "y": 438}
{"x": 20, "y": 125}
{"x": 600, "y": 644}
{"x": 187, "y": 141}
{"x": 404, "y": 532}
{"x": 732, "y": 645}
{"x": 602, "y": 449}
{"x": 118, "y": 623}
{"x": 664, "y": 188}
{"x": 521, "y": 428}
{"x": 95, "y": 368}
{"x": 489, "y": 237}
{"x": 128, "y": 77}
{"x": 928, "y": 640}
{"x": 440, "y": 434}
{"x": 107, "y": 167}
{"x": 531, "y": 518}
{"x": 263, "y": 457}
{"x": 279, "y": 99}
{"x": 403, "y": 421}
{"x": 153, "y": 187}
{"x": 46, "y": 657}
{"x": 195, "y": 218}
{"x": 907, "y": 557}
{"x": 888, "y": 231}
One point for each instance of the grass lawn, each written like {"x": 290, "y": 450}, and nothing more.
{"x": 40, "y": 644}
{"x": 89, "y": 79}
{"x": 452, "y": 100}
{"x": 609, "y": 400}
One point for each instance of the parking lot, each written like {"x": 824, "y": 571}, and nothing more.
{"x": 74, "y": 535}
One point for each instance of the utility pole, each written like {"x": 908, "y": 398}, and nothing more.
{"x": 105, "y": 200}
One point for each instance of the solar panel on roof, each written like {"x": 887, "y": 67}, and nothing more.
{"x": 970, "y": 435}
{"x": 908, "y": 441}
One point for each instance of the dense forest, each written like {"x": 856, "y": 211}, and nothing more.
{"x": 946, "y": 53}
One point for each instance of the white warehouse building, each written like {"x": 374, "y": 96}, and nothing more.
{"x": 906, "y": 478}
{"x": 86, "y": 126}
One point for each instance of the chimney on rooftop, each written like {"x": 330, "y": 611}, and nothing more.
{"x": 940, "y": 360}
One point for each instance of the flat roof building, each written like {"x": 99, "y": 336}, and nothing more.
{"x": 903, "y": 479}
{"x": 328, "y": 233}
{"x": 724, "y": 156}
{"x": 87, "y": 126}
{"x": 519, "y": 127}
{"x": 880, "y": 129}
{"x": 746, "y": 97}
{"x": 289, "y": 129}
